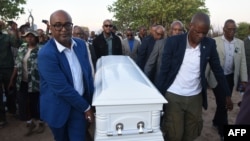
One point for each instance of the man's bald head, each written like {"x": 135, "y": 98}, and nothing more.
{"x": 57, "y": 14}
{"x": 201, "y": 18}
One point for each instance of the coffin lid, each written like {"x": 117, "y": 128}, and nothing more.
{"x": 119, "y": 81}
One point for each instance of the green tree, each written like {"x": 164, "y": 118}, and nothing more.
{"x": 10, "y": 9}
{"x": 134, "y": 13}
{"x": 242, "y": 30}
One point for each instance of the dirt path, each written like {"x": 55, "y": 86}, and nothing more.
{"x": 15, "y": 129}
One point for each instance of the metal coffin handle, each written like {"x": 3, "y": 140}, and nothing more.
{"x": 140, "y": 126}
{"x": 119, "y": 128}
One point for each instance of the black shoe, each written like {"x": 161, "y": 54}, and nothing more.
{"x": 30, "y": 127}
{"x": 41, "y": 128}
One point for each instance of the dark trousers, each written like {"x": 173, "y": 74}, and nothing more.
{"x": 5, "y": 75}
{"x": 220, "y": 116}
{"x": 29, "y": 104}
{"x": 182, "y": 120}
{"x": 73, "y": 130}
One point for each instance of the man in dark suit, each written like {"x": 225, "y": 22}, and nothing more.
{"x": 152, "y": 66}
{"x": 107, "y": 43}
{"x": 66, "y": 83}
{"x": 147, "y": 45}
{"x": 247, "y": 51}
{"x": 182, "y": 79}
{"x": 243, "y": 116}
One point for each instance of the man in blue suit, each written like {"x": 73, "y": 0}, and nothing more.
{"x": 182, "y": 80}
{"x": 66, "y": 83}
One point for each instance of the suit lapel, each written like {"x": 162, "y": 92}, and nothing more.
{"x": 203, "y": 49}
{"x": 183, "y": 46}
{"x": 134, "y": 46}
{"x": 80, "y": 57}
{"x": 78, "y": 49}
{"x": 65, "y": 66}
{"x": 237, "y": 49}
{"x": 220, "y": 47}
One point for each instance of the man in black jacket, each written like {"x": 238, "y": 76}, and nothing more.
{"x": 107, "y": 43}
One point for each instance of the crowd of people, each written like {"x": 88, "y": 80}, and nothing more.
{"x": 48, "y": 76}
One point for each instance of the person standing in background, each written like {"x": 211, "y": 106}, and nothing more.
{"x": 78, "y": 32}
{"x": 243, "y": 116}
{"x": 247, "y": 51}
{"x": 26, "y": 78}
{"x": 130, "y": 45}
{"x": 107, "y": 43}
{"x": 141, "y": 34}
{"x": 232, "y": 57}
{"x": 144, "y": 51}
{"x": 91, "y": 37}
{"x": 152, "y": 66}
{"x": 7, "y": 41}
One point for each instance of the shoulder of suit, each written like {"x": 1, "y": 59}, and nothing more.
{"x": 218, "y": 38}
{"x": 79, "y": 41}
{"x": 76, "y": 39}
{"x": 116, "y": 36}
{"x": 239, "y": 40}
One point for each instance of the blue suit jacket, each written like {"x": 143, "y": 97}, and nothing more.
{"x": 172, "y": 58}
{"x": 58, "y": 95}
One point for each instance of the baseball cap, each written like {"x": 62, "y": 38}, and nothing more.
{"x": 30, "y": 32}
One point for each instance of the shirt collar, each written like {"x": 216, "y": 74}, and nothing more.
{"x": 224, "y": 39}
{"x": 61, "y": 48}
{"x": 110, "y": 37}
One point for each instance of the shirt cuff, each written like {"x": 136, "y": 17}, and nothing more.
{"x": 87, "y": 109}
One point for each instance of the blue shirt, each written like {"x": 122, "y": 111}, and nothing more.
{"x": 131, "y": 44}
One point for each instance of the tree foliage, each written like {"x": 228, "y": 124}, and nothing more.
{"x": 10, "y": 9}
{"x": 242, "y": 30}
{"x": 134, "y": 13}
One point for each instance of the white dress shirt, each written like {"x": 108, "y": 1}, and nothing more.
{"x": 74, "y": 64}
{"x": 188, "y": 81}
{"x": 229, "y": 49}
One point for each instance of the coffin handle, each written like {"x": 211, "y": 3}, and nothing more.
{"x": 119, "y": 128}
{"x": 140, "y": 126}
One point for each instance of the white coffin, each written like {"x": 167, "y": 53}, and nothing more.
{"x": 128, "y": 106}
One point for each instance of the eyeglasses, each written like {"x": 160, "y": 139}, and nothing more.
{"x": 59, "y": 26}
{"x": 128, "y": 35}
{"x": 108, "y": 25}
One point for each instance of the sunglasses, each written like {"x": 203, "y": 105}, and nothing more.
{"x": 129, "y": 35}
{"x": 107, "y": 25}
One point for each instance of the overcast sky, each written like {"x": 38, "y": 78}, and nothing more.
{"x": 91, "y": 13}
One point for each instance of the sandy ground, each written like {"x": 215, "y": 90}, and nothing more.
{"x": 15, "y": 129}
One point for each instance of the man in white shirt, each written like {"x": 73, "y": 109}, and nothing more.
{"x": 182, "y": 80}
